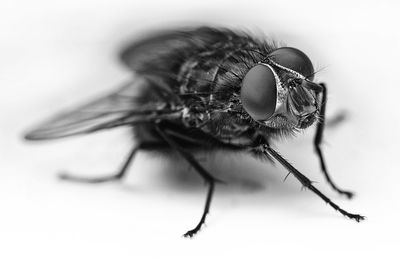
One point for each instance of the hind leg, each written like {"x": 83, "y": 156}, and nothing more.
{"x": 120, "y": 173}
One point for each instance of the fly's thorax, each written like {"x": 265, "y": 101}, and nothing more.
{"x": 217, "y": 69}
{"x": 209, "y": 85}
{"x": 279, "y": 93}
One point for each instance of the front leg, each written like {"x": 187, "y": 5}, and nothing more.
{"x": 317, "y": 145}
{"x": 269, "y": 152}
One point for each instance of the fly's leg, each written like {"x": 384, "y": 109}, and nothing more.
{"x": 317, "y": 145}
{"x": 208, "y": 178}
{"x": 336, "y": 120}
{"x": 115, "y": 177}
{"x": 308, "y": 183}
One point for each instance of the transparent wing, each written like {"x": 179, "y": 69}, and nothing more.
{"x": 157, "y": 59}
{"x": 136, "y": 102}
{"x": 166, "y": 50}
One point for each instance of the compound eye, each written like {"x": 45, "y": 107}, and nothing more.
{"x": 293, "y": 59}
{"x": 258, "y": 93}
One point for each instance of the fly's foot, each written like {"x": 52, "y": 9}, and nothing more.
{"x": 355, "y": 217}
{"x": 347, "y": 194}
{"x": 192, "y": 232}
{"x": 89, "y": 180}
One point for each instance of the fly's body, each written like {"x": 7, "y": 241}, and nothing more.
{"x": 207, "y": 88}
{"x": 207, "y": 79}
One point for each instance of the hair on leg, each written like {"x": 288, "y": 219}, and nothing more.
{"x": 308, "y": 183}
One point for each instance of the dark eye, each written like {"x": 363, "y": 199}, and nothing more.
{"x": 258, "y": 93}
{"x": 293, "y": 59}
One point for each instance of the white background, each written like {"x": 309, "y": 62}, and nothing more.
{"x": 57, "y": 53}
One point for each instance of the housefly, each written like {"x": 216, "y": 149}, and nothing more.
{"x": 207, "y": 89}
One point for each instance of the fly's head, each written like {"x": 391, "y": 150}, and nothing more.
{"x": 279, "y": 92}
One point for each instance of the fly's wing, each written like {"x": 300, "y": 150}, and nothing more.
{"x": 159, "y": 57}
{"x": 135, "y": 102}
{"x": 164, "y": 52}
{"x": 157, "y": 60}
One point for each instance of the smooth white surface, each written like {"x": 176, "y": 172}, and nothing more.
{"x": 57, "y": 53}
